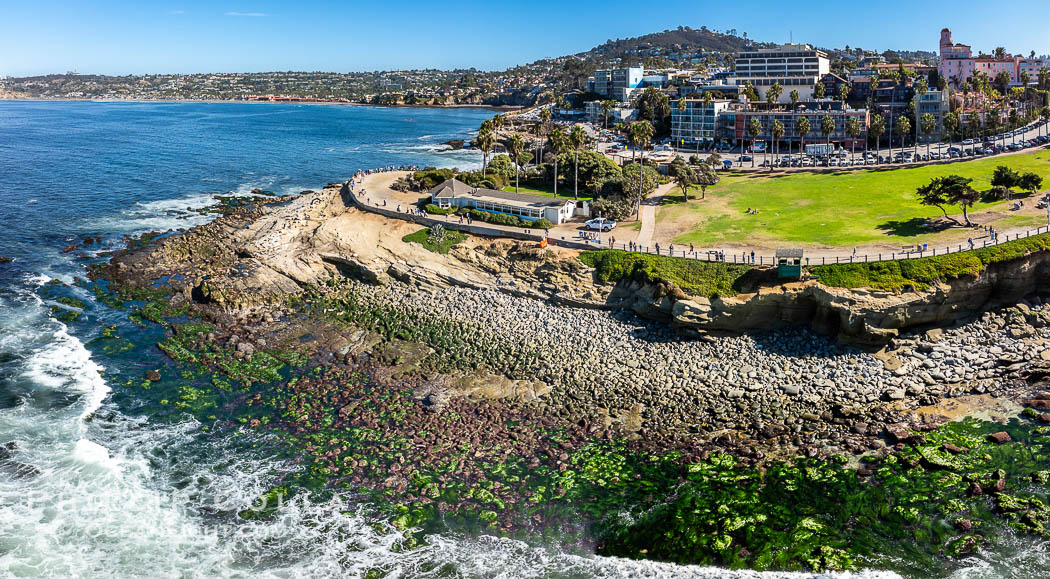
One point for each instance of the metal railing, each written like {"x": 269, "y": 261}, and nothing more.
{"x": 758, "y": 259}
{"x": 595, "y": 241}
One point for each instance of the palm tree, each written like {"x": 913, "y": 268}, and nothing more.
{"x": 853, "y": 130}
{"x": 754, "y": 129}
{"x": 819, "y": 90}
{"x": 517, "y": 150}
{"x": 802, "y": 128}
{"x": 772, "y": 96}
{"x": 951, "y": 124}
{"x": 1045, "y": 114}
{"x": 827, "y": 127}
{"x": 484, "y": 141}
{"x": 778, "y": 133}
{"x": 607, "y": 107}
{"x": 577, "y": 139}
{"x": 928, "y": 124}
{"x": 557, "y": 142}
{"x": 642, "y": 132}
{"x": 794, "y": 99}
{"x": 843, "y": 92}
{"x": 545, "y": 119}
{"x": 903, "y": 128}
{"x": 877, "y": 128}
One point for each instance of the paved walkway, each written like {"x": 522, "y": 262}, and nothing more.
{"x": 375, "y": 190}
{"x": 647, "y": 214}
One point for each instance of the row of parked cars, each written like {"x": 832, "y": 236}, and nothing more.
{"x": 841, "y": 158}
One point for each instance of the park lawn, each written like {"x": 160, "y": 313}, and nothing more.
{"x": 841, "y": 208}
{"x": 564, "y": 191}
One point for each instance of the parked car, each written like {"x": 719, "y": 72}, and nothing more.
{"x": 745, "y": 159}
{"x": 601, "y": 224}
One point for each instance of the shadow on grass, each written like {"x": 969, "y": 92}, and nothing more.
{"x": 907, "y": 228}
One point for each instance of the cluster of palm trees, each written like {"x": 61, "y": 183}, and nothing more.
{"x": 988, "y": 96}
{"x": 486, "y": 138}
{"x": 560, "y": 142}
{"x": 803, "y": 127}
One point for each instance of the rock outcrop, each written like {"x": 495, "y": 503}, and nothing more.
{"x": 855, "y": 315}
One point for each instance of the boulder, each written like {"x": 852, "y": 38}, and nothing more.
{"x": 999, "y": 437}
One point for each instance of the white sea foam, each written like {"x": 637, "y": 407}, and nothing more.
{"x": 118, "y": 496}
{"x": 157, "y": 215}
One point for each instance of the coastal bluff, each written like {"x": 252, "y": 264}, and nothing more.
{"x": 854, "y": 315}
{"x": 303, "y": 240}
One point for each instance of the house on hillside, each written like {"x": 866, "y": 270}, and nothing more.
{"x": 455, "y": 193}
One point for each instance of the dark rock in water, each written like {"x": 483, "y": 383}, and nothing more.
{"x": 953, "y": 449}
{"x": 25, "y": 470}
{"x": 456, "y": 144}
{"x": 18, "y": 469}
{"x": 4, "y": 259}
{"x": 153, "y": 375}
{"x": 69, "y": 249}
{"x": 999, "y": 437}
{"x": 6, "y": 449}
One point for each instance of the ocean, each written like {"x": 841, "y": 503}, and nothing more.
{"x": 93, "y": 486}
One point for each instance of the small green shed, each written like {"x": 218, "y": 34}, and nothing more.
{"x": 789, "y": 263}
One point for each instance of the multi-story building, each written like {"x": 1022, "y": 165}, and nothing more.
{"x": 957, "y": 63}
{"x": 814, "y": 112}
{"x": 697, "y": 123}
{"x": 616, "y": 83}
{"x": 593, "y": 110}
{"x": 794, "y": 66}
{"x": 936, "y": 103}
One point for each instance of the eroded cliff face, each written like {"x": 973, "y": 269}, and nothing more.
{"x": 855, "y": 315}
{"x": 243, "y": 265}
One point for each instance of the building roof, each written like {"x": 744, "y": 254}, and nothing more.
{"x": 450, "y": 188}
{"x": 790, "y": 252}
{"x": 456, "y": 188}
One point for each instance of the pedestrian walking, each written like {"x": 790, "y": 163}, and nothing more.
{"x": 752, "y": 256}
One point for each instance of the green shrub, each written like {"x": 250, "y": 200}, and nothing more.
{"x": 920, "y": 273}
{"x": 433, "y": 241}
{"x": 431, "y": 178}
{"x": 694, "y": 277}
{"x": 435, "y": 210}
{"x": 542, "y": 224}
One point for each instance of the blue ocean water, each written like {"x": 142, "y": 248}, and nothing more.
{"x": 85, "y": 168}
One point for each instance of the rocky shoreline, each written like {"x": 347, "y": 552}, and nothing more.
{"x": 500, "y": 334}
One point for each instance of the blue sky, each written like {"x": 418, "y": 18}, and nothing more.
{"x": 176, "y": 36}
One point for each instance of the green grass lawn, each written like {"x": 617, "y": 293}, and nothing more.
{"x": 564, "y": 191}
{"x": 840, "y": 208}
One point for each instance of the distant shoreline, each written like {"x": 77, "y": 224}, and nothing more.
{"x": 216, "y": 101}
